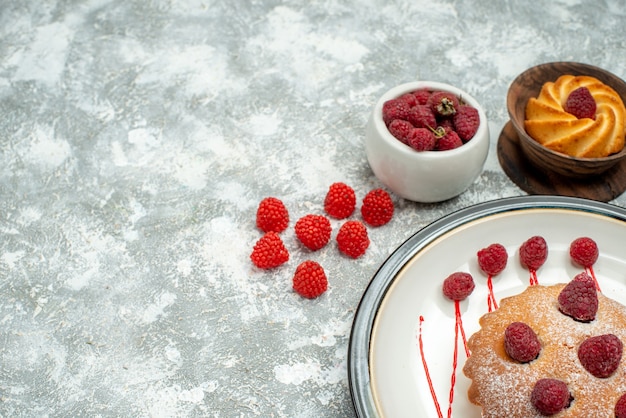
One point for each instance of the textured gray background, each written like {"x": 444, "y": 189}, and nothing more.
{"x": 139, "y": 136}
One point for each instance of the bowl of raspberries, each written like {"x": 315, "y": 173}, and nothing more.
{"x": 427, "y": 141}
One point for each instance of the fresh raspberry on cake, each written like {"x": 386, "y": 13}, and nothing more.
{"x": 466, "y": 121}
{"x": 313, "y": 231}
{"x": 581, "y": 104}
{"x": 395, "y": 109}
{"x": 377, "y": 208}
{"x": 421, "y": 139}
{"x": 421, "y": 116}
{"x": 533, "y": 252}
{"x": 584, "y": 251}
{"x": 272, "y": 215}
{"x": 601, "y": 355}
{"x": 352, "y": 239}
{"x": 579, "y": 298}
{"x": 620, "y": 407}
{"x": 550, "y": 396}
{"x": 521, "y": 342}
{"x": 492, "y": 259}
{"x": 340, "y": 201}
{"x": 443, "y": 103}
{"x": 310, "y": 280}
{"x": 448, "y": 141}
{"x": 269, "y": 251}
{"x": 400, "y": 129}
{"x": 458, "y": 286}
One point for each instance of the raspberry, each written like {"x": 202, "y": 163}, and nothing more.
{"x": 550, "y": 396}
{"x": 533, "y": 252}
{"x": 443, "y": 103}
{"x": 579, "y": 298}
{"x": 620, "y": 407}
{"x": 584, "y": 251}
{"x": 400, "y": 129}
{"x": 313, "y": 231}
{"x": 581, "y": 103}
{"x": 492, "y": 260}
{"x": 377, "y": 207}
{"x": 466, "y": 122}
{"x": 422, "y": 96}
{"x": 458, "y": 286}
{"x": 271, "y": 215}
{"x": 601, "y": 355}
{"x": 422, "y": 116}
{"x": 340, "y": 201}
{"x": 309, "y": 280}
{"x": 352, "y": 239}
{"x": 421, "y": 139}
{"x": 269, "y": 252}
{"x": 409, "y": 99}
{"x": 395, "y": 109}
{"x": 448, "y": 141}
{"x": 521, "y": 343}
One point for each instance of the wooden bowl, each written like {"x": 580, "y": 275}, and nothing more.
{"x": 528, "y": 84}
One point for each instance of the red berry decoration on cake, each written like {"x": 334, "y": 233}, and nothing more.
{"x": 579, "y": 298}
{"x": 272, "y": 215}
{"x": 492, "y": 260}
{"x": 550, "y": 396}
{"x": 581, "y": 104}
{"x": 377, "y": 208}
{"x": 620, "y": 407}
{"x": 601, "y": 355}
{"x": 584, "y": 251}
{"x": 310, "y": 280}
{"x": 533, "y": 253}
{"x": 521, "y": 342}
{"x": 313, "y": 231}
{"x": 269, "y": 252}
{"x": 352, "y": 239}
{"x": 340, "y": 201}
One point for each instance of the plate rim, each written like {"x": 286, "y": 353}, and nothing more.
{"x": 374, "y": 294}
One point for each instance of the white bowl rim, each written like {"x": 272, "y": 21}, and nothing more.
{"x": 401, "y": 89}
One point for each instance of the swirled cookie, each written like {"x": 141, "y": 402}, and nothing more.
{"x": 549, "y": 124}
{"x": 503, "y": 387}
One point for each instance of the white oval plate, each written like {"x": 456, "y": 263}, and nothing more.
{"x": 386, "y": 375}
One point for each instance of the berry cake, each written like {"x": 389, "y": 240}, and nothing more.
{"x": 577, "y": 115}
{"x": 558, "y": 377}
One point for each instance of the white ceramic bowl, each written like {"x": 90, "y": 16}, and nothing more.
{"x": 428, "y": 176}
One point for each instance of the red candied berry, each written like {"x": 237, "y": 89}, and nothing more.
{"x": 269, "y": 252}
{"x": 521, "y": 343}
{"x": 352, "y": 239}
{"x": 340, "y": 201}
{"x": 533, "y": 252}
{"x": 400, "y": 129}
{"x": 581, "y": 104}
{"x": 584, "y": 251}
{"x": 601, "y": 355}
{"x": 377, "y": 208}
{"x": 492, "y": 259}
{"x": 421, "y": 116}
{"x": 310, "y": 280}
{"x": 620, "y": 407}
{"x": 579, "y": 298}
{"x": 550, "y": 396}
{"x": 409, "y": 99}
{"x": 313, "y": 231}
{"x": 395, "y": 109}
{"x": 443, "y": 103}
{"x": 466, "y": 122}
{"x": 458, "y": 286}
{"x": 272, "y": 215}
{"x": 449, "y": 141}
{"x": 421, "y": 139}
{"x": 422, "y": 95}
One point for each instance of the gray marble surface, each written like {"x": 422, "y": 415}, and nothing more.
{"x": 138, "y": 138}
